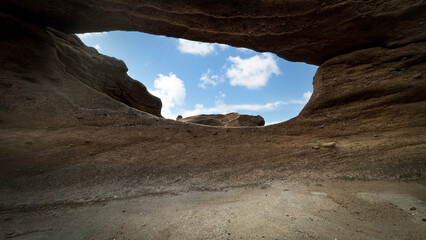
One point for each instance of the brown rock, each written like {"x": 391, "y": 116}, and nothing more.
{"x": 70, "y": 82}
{"x": 364, "y": 84}
{"x": 310, "y": 31}
{"x": 329, "y": 145}
{"x": 105, "y": 74}
{"x": 228, "y": 120}
{"x": 371, "y": 80}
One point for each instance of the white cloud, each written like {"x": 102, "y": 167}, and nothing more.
{"x": 97, "y": 47}
{"x": 222, "y": 108}
{"x": 307, "y": 95}
{"x": 272, "y": 123}
{"x": 90, "y": 35}
{"x": 223, "y": 47}
{"x": 245, "y": 50}
{"x": 219, "y": 100}
{"x": 196, "y": 48}
{"x": 208, "y": 78}
{"x": 171, "y": 90}
{"x": 199, "y": 48}
{"x": 253, "y": 72}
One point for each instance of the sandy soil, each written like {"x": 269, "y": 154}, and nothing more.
{"x": 273, "y": 210}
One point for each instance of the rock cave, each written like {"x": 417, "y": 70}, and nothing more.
{"x": 85, "y": 153}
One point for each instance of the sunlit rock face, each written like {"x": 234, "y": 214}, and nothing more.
{"x": 228, "y": 120}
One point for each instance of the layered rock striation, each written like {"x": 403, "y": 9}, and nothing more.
{"x": 370, "y": 53}
{"x": 308, "y": 31}
{"x": 52, "y": 78}
{"x": 78, "y": 134}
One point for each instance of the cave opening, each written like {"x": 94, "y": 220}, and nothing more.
{"x": 193, "y": 78}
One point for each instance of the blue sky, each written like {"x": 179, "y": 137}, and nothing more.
{"x": 194, "y": 78}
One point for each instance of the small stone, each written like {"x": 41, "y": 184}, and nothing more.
{"x": 417, "y": 76}
{"x": 329, "y": 145}
{"x": 316, "y": 147}
{"x": 413, "y": 208}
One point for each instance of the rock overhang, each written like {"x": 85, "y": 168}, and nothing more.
{"x": 307, "y": 31}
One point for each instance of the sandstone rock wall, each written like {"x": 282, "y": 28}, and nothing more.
{"x": 304, "y": 30}
{"x": 105, "y": 74}
{"x": 371, "y": 54}
{"x": 373, "y": 82}
{"x": 52, "y": 78}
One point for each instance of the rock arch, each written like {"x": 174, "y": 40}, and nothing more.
{"x": 371, "y": 54}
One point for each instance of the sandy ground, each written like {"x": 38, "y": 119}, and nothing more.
{"x": 274, "y": 210}
{"x": 184, "y": 181}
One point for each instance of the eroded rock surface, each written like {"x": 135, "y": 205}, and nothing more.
{"x": 228, "y": 120}
{"x": 105, "y": 74}
{"x": 375, "y": 83}
{"x": 75, "y": 138}
{"x": 310, "y": 31}
{"x": 48, "y": 77}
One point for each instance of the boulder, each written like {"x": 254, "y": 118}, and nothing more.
{"x": 228, "y": 120}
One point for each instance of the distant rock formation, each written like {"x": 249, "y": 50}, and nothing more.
{"x": 228, "y": 120}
